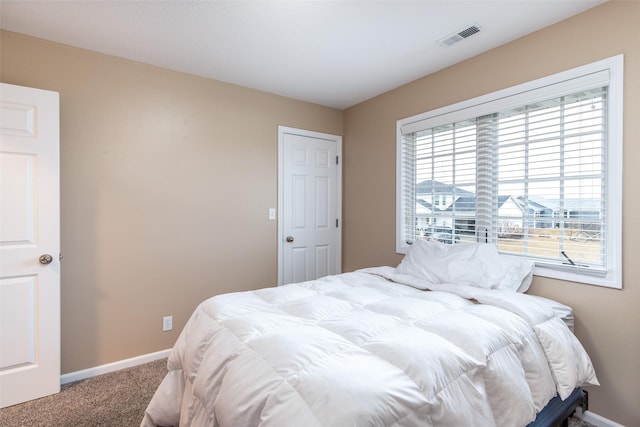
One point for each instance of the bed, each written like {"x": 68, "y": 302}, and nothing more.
{"x": 447, "y": 338}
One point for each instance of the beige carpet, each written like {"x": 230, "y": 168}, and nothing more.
{"x": 117, "y": 399}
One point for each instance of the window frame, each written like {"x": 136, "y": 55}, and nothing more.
{"x": 610, "y": 69}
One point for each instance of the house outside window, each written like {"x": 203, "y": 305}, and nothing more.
{"x": 534, "y": 169}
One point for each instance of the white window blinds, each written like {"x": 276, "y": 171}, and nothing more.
{"x": 533, "y": 177}
{"x": 551, "y": 174}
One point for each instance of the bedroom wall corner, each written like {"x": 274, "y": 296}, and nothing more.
{"x": 606, "y": 319}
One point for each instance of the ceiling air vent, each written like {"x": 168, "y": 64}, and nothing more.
{"x": 460, "y": 35}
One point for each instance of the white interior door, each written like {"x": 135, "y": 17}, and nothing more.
{"x": 309, "y": 236}
{"x": 29, "y": 230}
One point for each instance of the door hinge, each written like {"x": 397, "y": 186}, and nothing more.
{"x": 337, "y": 160}
{"x": 337, "y": 223}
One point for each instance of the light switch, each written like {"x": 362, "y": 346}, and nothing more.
{"x": 272, "y": 213}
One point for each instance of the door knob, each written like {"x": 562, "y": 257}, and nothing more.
{"x": 45, "y": 259}
{"x": 289, "y": 239}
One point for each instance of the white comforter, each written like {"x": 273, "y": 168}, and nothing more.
{"x": 359, "y": 350}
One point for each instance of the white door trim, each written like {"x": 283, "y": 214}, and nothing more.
{"x": 283, "y": 130}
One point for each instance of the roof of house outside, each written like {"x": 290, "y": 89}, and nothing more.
{"x": 583, "y": 204}
{"x": 437, "y": 187}
{"x": 463, "y": 204}
{"x": 466, "y": 202}
{"x": 424, "y": 203}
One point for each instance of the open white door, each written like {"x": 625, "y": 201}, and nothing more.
{"x": 309, "y": 193}
{"x": 29, "y": 244}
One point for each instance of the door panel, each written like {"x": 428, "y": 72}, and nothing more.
{"x": 309, "y": 198}
{"x": 322, "y": 261}
{"x": 17, "y": 172}
{"x": 18, "y": 304}
{"x": 322, "y": 203}
{"x": 29, "y": 228}
{"x": 299, "y": 264}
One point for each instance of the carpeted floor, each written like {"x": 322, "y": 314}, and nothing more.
{"x": 117, "y": 399}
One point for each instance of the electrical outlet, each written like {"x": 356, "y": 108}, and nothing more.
{"x": 167, "y": 323}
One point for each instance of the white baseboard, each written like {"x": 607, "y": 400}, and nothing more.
{"x": 599, "y": 421}
{"x": 114, "y": 366}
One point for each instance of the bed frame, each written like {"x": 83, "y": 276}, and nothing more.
{"x": 557, "y": 411}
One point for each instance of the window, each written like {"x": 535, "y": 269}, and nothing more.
{"x": 535, "y": 169}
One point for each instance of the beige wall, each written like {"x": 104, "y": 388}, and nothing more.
{"x": 166, "y": 182}
{"x": 608, "y": 320}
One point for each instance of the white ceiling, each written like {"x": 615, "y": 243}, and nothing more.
{"x": 333, "y": 53}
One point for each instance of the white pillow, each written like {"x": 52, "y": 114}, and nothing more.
{"x": 475, "y": 264}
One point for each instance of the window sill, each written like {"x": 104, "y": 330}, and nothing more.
{"x": 587, "y": 276}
